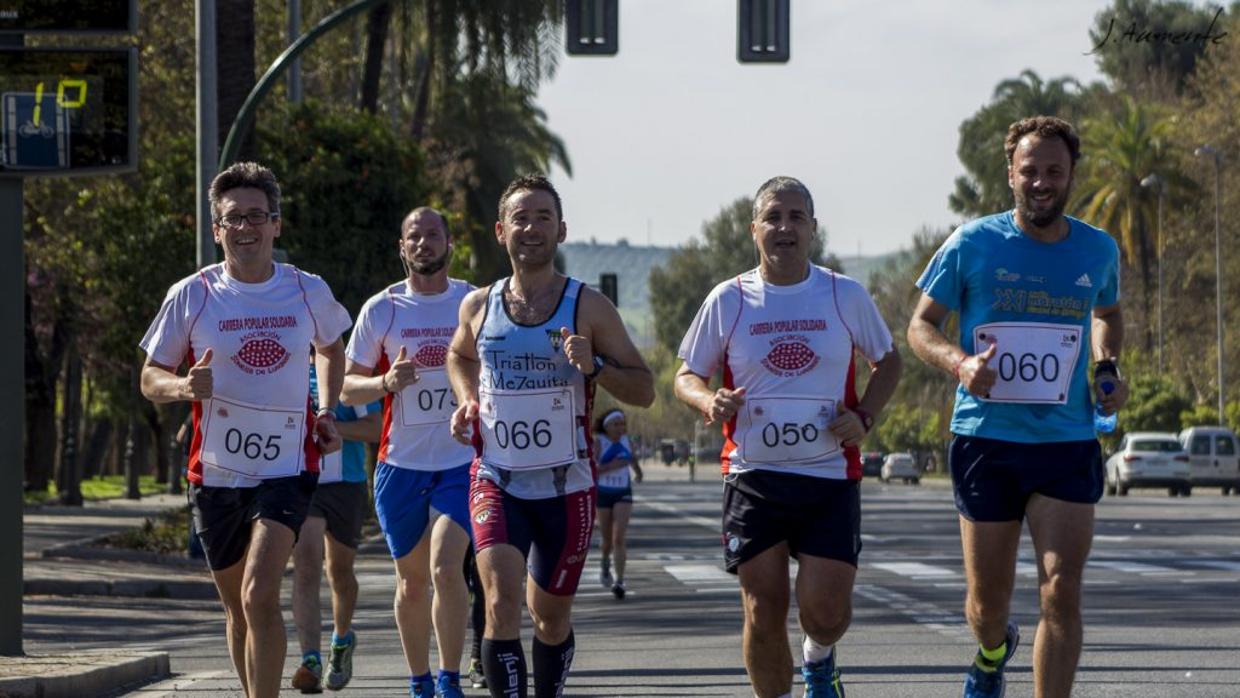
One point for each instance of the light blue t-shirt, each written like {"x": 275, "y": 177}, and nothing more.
{"x": 352, "y": 453}
{"x": 991, "y": 272}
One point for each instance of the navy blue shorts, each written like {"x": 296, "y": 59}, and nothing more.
{"x": 993, "y": 479}
{"x": 608, "y": 497}
{"x": 404, "y": 499}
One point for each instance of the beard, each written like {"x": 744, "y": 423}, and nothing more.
{"x": 1042, "y": 217}
{"x": 431, "y": 267}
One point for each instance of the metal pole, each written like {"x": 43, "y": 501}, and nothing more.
{"x": 294, "y": 69}
{"x": 1218, "y": 278}
{"x": 1160, "y": 280}
{"x": 12, "y": 384}
{"x": 208, "y": 140}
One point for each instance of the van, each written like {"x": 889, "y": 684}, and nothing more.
{"x": 1214, "y": 457}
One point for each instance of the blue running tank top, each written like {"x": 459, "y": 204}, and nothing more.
{"x": 534, "y": 407}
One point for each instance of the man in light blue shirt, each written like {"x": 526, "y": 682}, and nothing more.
{"x": 1035, "y": 291}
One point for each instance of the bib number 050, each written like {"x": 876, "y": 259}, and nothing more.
{"x": 788, "y": 434}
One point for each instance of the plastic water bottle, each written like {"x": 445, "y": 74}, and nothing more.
{"x": 1105, "y": 423}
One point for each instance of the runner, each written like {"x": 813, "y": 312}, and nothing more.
{"x": 784, "y": 335}
{"x": 1035, "y": 291}
{"x": 334, "y": 526}
{"x": 524, "y": 363}
{"x": 615, "y": 496}
{"x": 254, "y": 458}
{"x": 397, "y": 354}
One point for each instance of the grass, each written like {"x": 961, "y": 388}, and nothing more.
{"x": 166, "y": 534}
{"x": 96, "y": 488}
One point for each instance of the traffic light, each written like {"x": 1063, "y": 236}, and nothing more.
{"x": 593, "y": 27}
{"x": 69, "y": 16}
{"x": 68, "y": 111}
{"x": 762, "y": 31}
{"x": 609, "y": 285}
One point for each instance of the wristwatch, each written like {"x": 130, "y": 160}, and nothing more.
{"x": 325, "y": 412}
{"x": 867, "y": 419}
{"x": 598, "y": 367}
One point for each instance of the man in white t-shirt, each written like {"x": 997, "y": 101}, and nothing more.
{"x": 244, "y": 326}
{"x": 397, "y": 354}
{"x": 784, "y": 336}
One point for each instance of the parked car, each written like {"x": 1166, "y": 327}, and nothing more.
{"x": 1213, "y": 457}
{"x": 900, "y": 466}
{"x": 872, "y": 464}
{"x": 1149, "y": 459}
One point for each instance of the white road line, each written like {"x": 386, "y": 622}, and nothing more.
{"x": 712, "y": 524}
{"x": 1138, "y": 568}
{"x": 917, "y": 570}
{"x": 180, "y": 683}
{"x": 690, "y": 575}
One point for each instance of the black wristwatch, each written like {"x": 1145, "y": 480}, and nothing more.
{"x": 598, "y": 367}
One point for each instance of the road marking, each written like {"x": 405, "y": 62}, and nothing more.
{"x": 690, "y": 575}
{"x": 181, "y": 683}
{"x": 1139, "y": 568}
{"x": 712, "y": 524}
{"x": 916, "y": 570}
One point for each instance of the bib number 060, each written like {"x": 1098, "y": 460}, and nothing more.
{"x": 789, "y": 434}
{"x": 1029, "y": 367}
{"x": 520, "y": 434}
{"x": 252, "y": 446}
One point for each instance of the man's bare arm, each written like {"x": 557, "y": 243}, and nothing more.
{"x": 1107, "y": 332}
{"x": 926, "y": 338}
{"x": 329, "y": 361}
{"x": 625, "y": 374}
{"x": 361, "y": 385}
{"x": 884, "y": 377}
{"x": 161, "y": 384}
{"x": 464, "y": 366}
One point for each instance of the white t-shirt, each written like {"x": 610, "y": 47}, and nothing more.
{"x": 617, "y": 479}
{"x": 258, "y": 423}
{"x": 417, "y": 434}
{"x": 791, "y": 348}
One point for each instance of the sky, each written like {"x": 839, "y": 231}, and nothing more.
{"x": 866, "y": 112}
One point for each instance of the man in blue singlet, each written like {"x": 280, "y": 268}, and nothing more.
{"x": 1037, "y": 293}
{"x": 527, "y": 355}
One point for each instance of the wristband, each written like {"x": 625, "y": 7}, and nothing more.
{"x": 383, "y": 384}
{"x": 956, "y": 366}
{"x": 325, "y": 413}
{"x": 867, "y": 419}
{"x": 598, "y": 367}
{"x": 1106, "y": 366}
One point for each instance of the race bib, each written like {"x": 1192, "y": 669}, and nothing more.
{"x": 528, "y": 429}
{"x": 787, "y": 430}
{"x": 331, "y": 467}
{"x": 1035, "y": 361}
{"x": 258, "y": 442}
{"x": 428, "y": 401}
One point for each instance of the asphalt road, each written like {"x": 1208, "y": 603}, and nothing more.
{"x": 1161, "y": 607}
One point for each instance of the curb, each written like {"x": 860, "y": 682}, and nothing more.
{"x": 94, "y": 681}
{"x": 149, "y": 588}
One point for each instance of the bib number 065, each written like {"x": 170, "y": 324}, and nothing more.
{"x": 252, "y": 446}
{"x": 788, "y": 434}
{"x": 520, "y": 434}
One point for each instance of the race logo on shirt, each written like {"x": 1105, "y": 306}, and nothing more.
{"x": 557, "y": 341}
{"x": 790, "y": 356}
{"x": 261, "y": 353}
{"x": 431, "y": 355}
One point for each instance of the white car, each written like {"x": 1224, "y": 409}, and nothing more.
{"x": 1213, "y": 456}
{"x": 900, "y": 466}
{"x": 1149, "y": 459}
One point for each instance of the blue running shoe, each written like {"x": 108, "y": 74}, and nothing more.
{"x": 822, "y": 679}
{"x": 985, "y": 680}
{"x": 422, "y": 689}
{"x": 447, "y": 688}
{"x": 340, "y": 662}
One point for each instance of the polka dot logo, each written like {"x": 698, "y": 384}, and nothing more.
{"x": 261, "y": 353}
{"x": 790, "y": 356}
{"x": 431, "y": 355}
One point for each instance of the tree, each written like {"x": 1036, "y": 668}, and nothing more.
{"x": 1123, "y": 148}
{"x": 984, "y": 188}
{"x": 1143, "y": 67}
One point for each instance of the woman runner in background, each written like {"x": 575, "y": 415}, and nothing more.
{"x": 615, "y": 495}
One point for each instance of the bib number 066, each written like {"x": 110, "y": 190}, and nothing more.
{"x": 520, "y": 434}
{"x": 252, "y": 446}
{"x": 789, "y": 434}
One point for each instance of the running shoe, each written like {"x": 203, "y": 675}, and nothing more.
{"x": 447, "y": 688}
{"x": 822, "y": 679}
{"x": 308, "y": 676}
{"x": 617, "y": 590}
{"x": 604, "y": 575}
{"x": 476, "y": 678}
{"x": 422, "y": 689}
{"x": 985, "y": 680}
{"x": 340, "y": 663}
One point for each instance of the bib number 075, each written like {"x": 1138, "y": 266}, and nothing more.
{"x": 520, "y": 434}
{"x": 252, "y": 446}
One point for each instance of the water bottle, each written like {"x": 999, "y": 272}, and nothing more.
{"x": 1104, "y": 374}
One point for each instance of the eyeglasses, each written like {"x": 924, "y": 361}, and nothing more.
{"x": 235, "y": 220}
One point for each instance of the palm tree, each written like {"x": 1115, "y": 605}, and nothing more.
{"x": 1124, "y": 147}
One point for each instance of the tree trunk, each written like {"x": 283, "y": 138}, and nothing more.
{"x": 96, "y": 450}
{"x": 158, "y": 443}
{"x": 377, "y": 23}
{"x": 234, "y": 62}
{"x": 41, "y": 375}
{"x": 70, "y": 475}
{"x": 135, "y": 458}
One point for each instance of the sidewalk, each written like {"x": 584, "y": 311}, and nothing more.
{"x": 60, "y": 560}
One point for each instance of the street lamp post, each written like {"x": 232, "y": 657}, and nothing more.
{"x": 1159, "y": 186}
{"x": 1210, "y": 151}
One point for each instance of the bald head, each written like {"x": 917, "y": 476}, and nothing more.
{"x": 423, "y": 217}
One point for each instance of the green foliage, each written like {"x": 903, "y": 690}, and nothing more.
{"x": 166, "y": 534}
{"x": 1153, "y": 404}
{"x": 906, "y": 428}
{"x": 1148, "y": 68}
{"x": 97, "y": 488}
{"x": 347, "y": 182}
